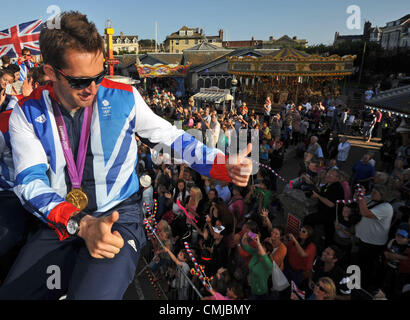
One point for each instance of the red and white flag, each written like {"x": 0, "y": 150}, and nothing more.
{"x": 24, "y": 35}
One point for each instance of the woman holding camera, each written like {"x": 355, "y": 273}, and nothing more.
{"x": 372, "y": 232}
{"x": 300, "y": 256}
{"x": 260, "y": 266}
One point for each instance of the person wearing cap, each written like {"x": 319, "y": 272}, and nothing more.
{"x": 372, "y": 232}
{"x": 396, "y": 253}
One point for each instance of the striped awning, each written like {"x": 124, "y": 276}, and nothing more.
{"x": 213, "y": 97}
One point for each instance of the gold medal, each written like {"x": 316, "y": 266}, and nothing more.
{"x": 78, "y": 198}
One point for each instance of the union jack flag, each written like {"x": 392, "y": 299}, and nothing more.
{"x": 14, "y": 39}
{"x": 299, "y": 292}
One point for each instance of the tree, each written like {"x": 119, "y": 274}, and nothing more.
{"x": 146, "y": 43}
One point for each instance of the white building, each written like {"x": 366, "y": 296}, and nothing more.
{"x": 125, "y": 43}
{"x": 395, "y": 34}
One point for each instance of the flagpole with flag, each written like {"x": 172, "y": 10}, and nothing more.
{"x": 24, "y": 35}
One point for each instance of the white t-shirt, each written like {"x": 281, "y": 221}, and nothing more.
{"x": 267, "y": 111}
{"x": 344, "y": 149}
{"x": 375, "y": 231}
{"x": 307, "y": 106}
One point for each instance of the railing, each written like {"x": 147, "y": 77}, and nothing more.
{"x": 147, "y": 255}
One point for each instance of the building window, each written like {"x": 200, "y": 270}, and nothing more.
{"x": 177, "y": 51}
{"x": 182, "y": 32}
{"x": 186, "y": 41}
{"x": 134, "y": 40}
{"x": 189, "y": 33}
{"x": 196, "y": 41}
{"x": 177, "y": 42}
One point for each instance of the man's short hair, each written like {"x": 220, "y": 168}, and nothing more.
{"x": 338, "y": 254}
{"x": 25, "y": 50}
{"x": 5, "y": 59}
{"x": 13, "y": 68}
{"x": 76, "y": 33}
{"x": 37, "y": 74}
{"x": 9, "y": 72}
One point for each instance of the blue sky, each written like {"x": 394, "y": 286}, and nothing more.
{"x": 314, "y": 20}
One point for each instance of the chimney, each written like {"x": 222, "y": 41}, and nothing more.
{"x": 271, "y": 38}
{"x": 221, "y": 34}
{"x": 201, "y": 31}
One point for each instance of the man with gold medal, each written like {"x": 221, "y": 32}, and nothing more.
{"x": 75, "y": 158}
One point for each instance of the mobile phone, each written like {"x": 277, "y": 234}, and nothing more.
{"x": 252, "y": 235}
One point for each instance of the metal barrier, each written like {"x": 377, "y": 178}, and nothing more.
{"x": 147, "y": 254}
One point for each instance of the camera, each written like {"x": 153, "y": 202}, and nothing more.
{"x": 252, "y": 235}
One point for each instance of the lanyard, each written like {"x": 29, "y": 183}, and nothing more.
{"x": 75, "y": 169}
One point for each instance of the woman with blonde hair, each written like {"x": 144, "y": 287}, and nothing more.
{"x": 324, "y": 289}
{"x": 195, "y": 195}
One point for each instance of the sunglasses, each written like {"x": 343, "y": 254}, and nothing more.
{"x": 320, "y": 287}
{"x": 82, "y": 83}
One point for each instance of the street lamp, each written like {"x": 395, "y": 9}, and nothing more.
{"x": 233, "y": 87}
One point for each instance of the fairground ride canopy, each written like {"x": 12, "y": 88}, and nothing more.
{"x": 290, "y": 62}
{"x": 162, "y": 70}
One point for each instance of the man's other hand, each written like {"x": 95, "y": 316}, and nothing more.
{"x": 100, "y": 241}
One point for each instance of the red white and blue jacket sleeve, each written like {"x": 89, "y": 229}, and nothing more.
{"x": 31, "y": 165}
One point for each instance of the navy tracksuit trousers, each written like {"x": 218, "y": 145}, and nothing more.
{"x": 82, "y": 276}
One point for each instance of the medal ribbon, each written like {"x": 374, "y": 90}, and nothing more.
{"x": 75, "y": 169}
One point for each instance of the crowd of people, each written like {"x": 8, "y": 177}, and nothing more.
{"x": 235, "y": 236}
{"x": 234, "y": 223}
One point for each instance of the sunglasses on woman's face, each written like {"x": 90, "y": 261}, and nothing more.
{"x": 82, "y": 83}
{"x": 320, "y": 287}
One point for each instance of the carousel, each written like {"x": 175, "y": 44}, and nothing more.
{"x": 289, "y": 74}
{"x": 170, "y": 76}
